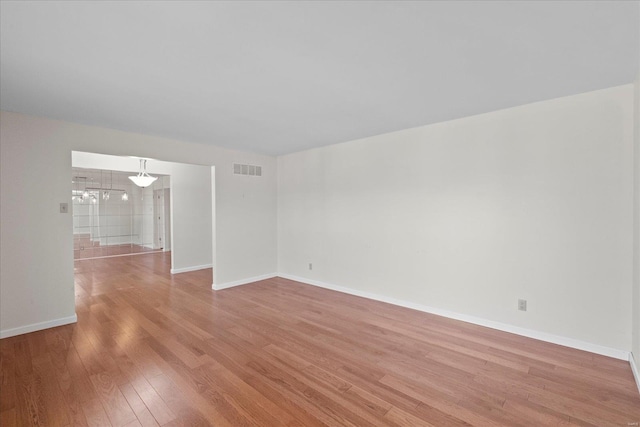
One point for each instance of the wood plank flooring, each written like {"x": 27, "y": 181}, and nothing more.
{"x": 154, "y": 349}
{"x": 85, "y": 248}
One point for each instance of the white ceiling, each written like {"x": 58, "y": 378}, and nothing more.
{"x": 278, "y": 77}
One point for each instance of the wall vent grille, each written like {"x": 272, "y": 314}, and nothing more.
{"x": 251, "y": 170}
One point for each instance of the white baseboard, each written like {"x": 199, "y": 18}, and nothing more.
{"x": 635, "y": 369}
{"x": 192, "y": 268}
{"x": 221, "y": 286}
{"x": 6, "y": 333}
{"x": 542, "y": 336}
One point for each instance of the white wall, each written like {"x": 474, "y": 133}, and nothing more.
{"x": 242, "y": 244}
{"x": 467, "y": 216}
{"x": 36, "y": 281}
{"x": 191, "y": 212}
{"x": 636, "y": 231}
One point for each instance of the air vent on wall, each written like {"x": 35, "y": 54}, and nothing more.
{"x": 251, "y": 170}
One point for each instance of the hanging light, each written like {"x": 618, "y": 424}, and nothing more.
{"x": 143, "y": 179}
{"x": 125, "y": 196}
{"x": 85, "y": 194}
{"x": 105, "y": 195}
{"x": 94, "y": 199}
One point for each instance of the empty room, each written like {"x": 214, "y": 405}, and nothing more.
{"x": 320, "y": 213}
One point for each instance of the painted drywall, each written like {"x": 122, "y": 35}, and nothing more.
{"x": 191, "y": 213}
{"x": 190, "y": 205}
{"x": 36, "y": 264}
{"x": 636, "y": 225}
{"x": 468, "y": 216}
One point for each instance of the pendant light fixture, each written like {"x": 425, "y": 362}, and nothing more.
{"x": 143, "y": 179}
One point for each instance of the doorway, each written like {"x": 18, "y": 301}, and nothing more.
{"x": 114, "y": 217}
{"x": 177, "y": 216}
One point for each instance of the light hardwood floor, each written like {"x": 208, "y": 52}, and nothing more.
{"x": 85, "y": 248}
{"x": 150, "y": 348}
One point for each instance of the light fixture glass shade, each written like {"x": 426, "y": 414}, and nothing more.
{"x": 143, "y": 179}
{"x": 125, "y": 196}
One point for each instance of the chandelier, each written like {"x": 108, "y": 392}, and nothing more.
{"x": 143, "y": 179}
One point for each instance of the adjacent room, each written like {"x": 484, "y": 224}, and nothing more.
{"x": 319, "y": 213}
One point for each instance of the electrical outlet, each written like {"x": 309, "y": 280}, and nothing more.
{"x": 64, "y": 207}
{"x": 310, "y": 266}
{"x": 522, "y": 304}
